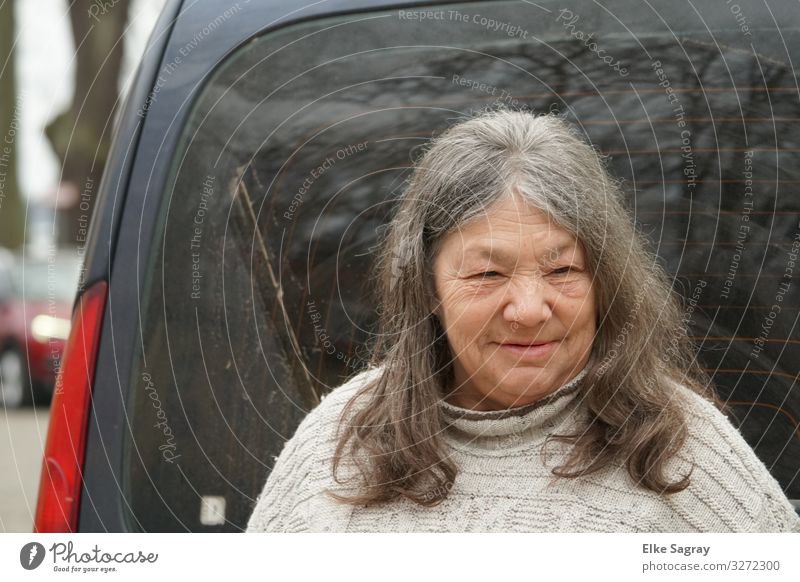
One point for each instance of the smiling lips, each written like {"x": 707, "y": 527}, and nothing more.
{"x": 536, "y": 350}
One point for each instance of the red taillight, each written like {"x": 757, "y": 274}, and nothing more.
{"x": 60, "y": 484}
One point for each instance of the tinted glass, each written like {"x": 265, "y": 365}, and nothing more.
{"x": 258, "y": 299}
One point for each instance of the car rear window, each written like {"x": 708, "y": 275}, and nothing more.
{"x": 259, "y": 300}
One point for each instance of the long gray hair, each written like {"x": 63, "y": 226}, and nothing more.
{"x": 640, "y": 348}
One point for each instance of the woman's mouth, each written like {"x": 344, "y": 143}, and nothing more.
{"x": 529, "y": 351}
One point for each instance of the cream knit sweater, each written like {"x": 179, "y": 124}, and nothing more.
{"x": 504, "y": 483}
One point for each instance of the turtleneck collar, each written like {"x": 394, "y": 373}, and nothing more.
{"x": 483, "y": 427}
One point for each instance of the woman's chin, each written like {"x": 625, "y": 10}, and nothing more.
{"x": 525, "y": 382}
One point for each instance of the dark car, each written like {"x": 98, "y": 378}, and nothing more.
{"x": 261, "y": 150}
{"x": 36, "y": 296}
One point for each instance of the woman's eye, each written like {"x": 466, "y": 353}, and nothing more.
{"x": 487, "y": 274}
{"x": 561, "y": 270}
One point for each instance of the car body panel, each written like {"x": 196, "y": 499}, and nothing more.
{"x": 179, "y": 61}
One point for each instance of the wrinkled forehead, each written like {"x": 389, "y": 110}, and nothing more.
{"x": 513, "y": 211}
{"x": 508, "y": 230}
{"x": 505, "y": 252}
{"x": 509, "y": 223}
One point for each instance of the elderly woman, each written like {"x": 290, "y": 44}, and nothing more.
{"x": 532, "y": 373}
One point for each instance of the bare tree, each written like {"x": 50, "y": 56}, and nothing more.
{"x": 81, "y": 135}
{"x": 11, "y": 218}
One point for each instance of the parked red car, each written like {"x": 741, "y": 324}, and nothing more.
{"x": 36, "y": 296}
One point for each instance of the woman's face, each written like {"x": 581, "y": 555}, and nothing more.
{"x": 517, "y": 303}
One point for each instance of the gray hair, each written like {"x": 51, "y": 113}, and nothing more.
{"x": 634, "y": 416}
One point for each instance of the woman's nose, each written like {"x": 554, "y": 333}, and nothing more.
{"x": 527, "y": 303}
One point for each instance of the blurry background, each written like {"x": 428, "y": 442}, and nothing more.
{"x": 64, "y": 71}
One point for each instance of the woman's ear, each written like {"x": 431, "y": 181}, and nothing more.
{"x": 432, "y": 306}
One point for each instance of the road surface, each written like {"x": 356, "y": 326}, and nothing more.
{"x": 22, "y": 436}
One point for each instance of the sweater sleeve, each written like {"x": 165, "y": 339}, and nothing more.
{"x": 735, "y": 482}
{"x": 283, "y": 505}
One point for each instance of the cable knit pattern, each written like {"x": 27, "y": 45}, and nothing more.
{"x": 505, "y": 484}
